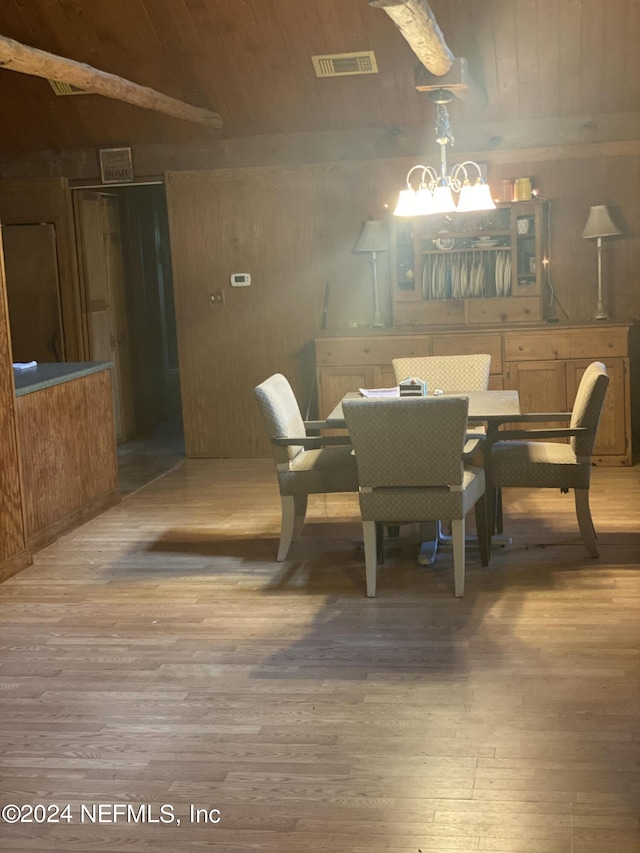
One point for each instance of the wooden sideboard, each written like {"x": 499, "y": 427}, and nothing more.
{"x": 542, "y": 362}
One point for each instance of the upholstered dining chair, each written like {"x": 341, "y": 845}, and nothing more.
{"x": 305, "y": 464}
{"x": 518, "y": 458}
{"x": 453, "y": 374}
{"x": 410, "y": 468}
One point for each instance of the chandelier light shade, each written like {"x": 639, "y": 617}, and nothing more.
{"x": 374, "y": 238}
{"x": 435, "y": 190}
{"x": 599, "y": 225}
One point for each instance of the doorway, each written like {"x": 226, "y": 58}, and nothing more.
{"x": 103, "y": 274}
{"x": 125, "y": 260}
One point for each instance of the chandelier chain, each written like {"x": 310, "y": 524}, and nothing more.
{"x": 444, "y": 134}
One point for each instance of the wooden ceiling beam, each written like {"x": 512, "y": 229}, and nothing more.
{"x": 16, "y": 56}
{"x": 418, "y": 25}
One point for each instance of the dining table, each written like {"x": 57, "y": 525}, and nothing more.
{"x": 491, "y": 407}
{"x": 494, "y": 407}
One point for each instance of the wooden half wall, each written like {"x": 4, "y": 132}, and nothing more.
{"x": 13, "y": 552}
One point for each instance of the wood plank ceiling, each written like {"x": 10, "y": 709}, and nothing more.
{"x": 250, "y": 60}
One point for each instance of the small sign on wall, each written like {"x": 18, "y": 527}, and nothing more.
{"x": 116, "y": 166}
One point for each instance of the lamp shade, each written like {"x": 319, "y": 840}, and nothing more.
{"x": 374, "y": 237}
{"x": 443, "y": 199}
{"x": 475, "y": 197}
{"x": 406, "y": 205}
{"x": 599, "y": 223}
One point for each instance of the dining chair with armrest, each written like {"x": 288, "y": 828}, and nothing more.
{"x": 305, "y": 464}
{"x": 522, "y": 458}
{"x": 451, "y": 374}
{"x": 410, "y": 469}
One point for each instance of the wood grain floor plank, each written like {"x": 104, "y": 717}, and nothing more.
{"x": 159, "y": 654}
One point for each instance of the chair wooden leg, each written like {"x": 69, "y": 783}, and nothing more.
{"x": 499, "y": 516}
{"x": 380, "y": 540}
{"x": 585, "y": 522}
{"x": 457, "y": 527}
{"x": 300, "y": 502}
{"x": 483, "y": 530}
{"x": 491, "y": 500}
{"x": 288, "y": 524}
{"x": 370, "y": 555}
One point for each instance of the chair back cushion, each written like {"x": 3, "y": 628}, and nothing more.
{"x": 588, "y": 406}
{"x": 409, "y": 442}
{"x": 281, "y": 414}
{"x": 454, "y": 374}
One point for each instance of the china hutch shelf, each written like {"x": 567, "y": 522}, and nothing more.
{"x": 472, "y": 268}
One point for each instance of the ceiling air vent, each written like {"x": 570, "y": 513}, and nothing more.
{"x": 341, "y": 64}
{"x": 66, "y": 88}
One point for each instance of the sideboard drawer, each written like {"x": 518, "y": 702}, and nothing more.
{"x": 448, "y": 312}
{"x": 537, "y": 347}
{"x": 565, "y": 344}
{"x": 369, "y": 350}
{"x": 469, "y": 345}
{"x": 521, "y": 309}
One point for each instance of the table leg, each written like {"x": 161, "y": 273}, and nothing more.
{"x": 429, "y": 540}
{"x": 498, "y": 539}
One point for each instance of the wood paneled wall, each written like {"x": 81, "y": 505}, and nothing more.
{"x": 13, "y": 554}
{"x": 50, "y": 201}
{"x": 573, "y": 185}
{"x": 293, "y": 230}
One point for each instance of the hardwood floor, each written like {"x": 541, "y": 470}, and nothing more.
{"x": 158, "y": 655}
{"x": 142, "y": 460}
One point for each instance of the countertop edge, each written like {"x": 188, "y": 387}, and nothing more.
{"x": 55, "y": 373}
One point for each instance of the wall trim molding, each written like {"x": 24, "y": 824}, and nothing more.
{"x": 575, "y": 137}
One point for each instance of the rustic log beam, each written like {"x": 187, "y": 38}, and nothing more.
{"x": 16, "y": 56}
{"x": 418, "y": 25}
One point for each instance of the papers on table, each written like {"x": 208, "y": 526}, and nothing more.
{"x": 380, "y": 392}
{"x": 24, "y": 365}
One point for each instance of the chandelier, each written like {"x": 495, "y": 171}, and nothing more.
{"x": 434, "y": 193}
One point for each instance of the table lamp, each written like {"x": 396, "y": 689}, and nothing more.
{"x": 599, "y": 225}
{"x": 374, "y": 238}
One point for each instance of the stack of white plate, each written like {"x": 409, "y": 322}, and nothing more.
{"x": 503, "y": 274}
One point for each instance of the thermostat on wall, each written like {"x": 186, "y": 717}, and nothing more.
{"x": 240, "y": 279}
